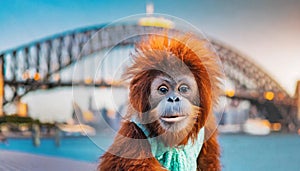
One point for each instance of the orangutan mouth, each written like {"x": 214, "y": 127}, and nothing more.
{"x": 173, "y": 118}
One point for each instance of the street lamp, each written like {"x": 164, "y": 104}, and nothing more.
{"x": 269, "y": 95}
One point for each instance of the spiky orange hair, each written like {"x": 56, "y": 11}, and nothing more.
{"x": 151, "y": 54}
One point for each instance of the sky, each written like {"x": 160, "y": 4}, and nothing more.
{"x": 266, "y": 31}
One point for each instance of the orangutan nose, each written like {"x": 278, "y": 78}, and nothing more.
{"x": 173, "y": 99}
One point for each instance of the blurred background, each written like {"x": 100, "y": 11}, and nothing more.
{"x": 61, "y": 100}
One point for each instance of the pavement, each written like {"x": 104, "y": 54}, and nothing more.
{"x": 16, "y": 161}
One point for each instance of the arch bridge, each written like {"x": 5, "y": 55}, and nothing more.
{"x": 42, "y": 64}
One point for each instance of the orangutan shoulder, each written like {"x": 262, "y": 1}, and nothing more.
{"x": 130, "y": 129}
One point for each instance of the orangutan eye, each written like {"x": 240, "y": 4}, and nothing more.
{"x": 183, "y": 88}
{"x": 163, "y": 89}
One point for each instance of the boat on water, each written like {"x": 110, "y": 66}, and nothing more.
{"x": 77, "y": 129}
{"x": 251, "y": 126}
{"x": 230, "y": 128}
{"x": 257, "y": 127}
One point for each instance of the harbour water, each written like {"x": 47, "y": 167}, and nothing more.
{"x": 276, "y": 152}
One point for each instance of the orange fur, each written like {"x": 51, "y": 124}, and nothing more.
{"x": 151, "y": 54}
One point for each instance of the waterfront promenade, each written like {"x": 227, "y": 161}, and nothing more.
{"x": 240, "y": 152}
{"x": 16, "y": 161}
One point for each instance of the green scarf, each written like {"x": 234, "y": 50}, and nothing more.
{"x": 181, "y": 158}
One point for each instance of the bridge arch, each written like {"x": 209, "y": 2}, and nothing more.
{"x": 37, "y": 65}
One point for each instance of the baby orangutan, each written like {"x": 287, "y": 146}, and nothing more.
{"x": 174, "y": 83}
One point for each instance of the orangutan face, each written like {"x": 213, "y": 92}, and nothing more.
{"x": 174, "y": 101}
